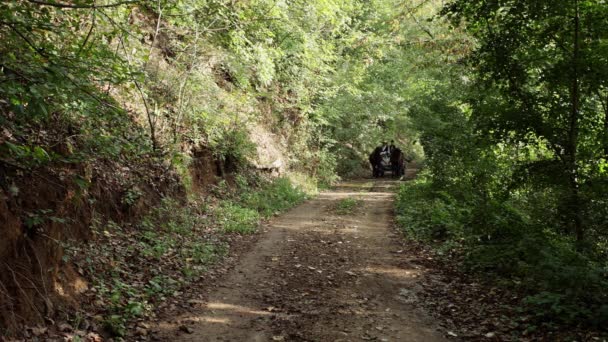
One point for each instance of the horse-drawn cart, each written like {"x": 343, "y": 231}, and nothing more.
{"x": 383, "y": 161}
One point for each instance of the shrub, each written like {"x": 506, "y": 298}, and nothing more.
{"x": 563, "y": 285}
{"x": 234, "y": 218}
{"x": 273, "y": 198}
{"x": 425, "y": 215}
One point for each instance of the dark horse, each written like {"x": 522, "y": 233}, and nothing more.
{"x": 376, "y": 160}
{"x": 397, "y": 162}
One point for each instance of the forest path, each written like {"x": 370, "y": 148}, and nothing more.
{"x": 316, "y": 275}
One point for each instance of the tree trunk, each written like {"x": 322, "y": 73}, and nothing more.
{"x": 573, "y": 134}
{"x": 602, "y": 97}
{"x": 605, "y": 105}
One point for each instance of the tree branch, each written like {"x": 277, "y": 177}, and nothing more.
{"x": 86, "y": 39}
{"x": 64, "y": 5}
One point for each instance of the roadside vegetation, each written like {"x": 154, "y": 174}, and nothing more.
{"x": 515, "y": 152}
{"x": 137, "y": 268}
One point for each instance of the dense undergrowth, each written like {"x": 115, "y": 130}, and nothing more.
{"x": 501, "y": 243}
{"x": 515, "y": 146}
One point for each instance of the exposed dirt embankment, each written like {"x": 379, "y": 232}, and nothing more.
{"x": 42, "y": 208}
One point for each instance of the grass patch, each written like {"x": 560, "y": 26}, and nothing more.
{"x": 242, "y": 213}
{"x": 307, "y": 184}
{"x": 273, "y": 198}
{"x": 234, "y": 218}
{"x": 347, "y": 206}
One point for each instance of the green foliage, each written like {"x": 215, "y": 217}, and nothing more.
{"x": 233, "y": 218}
{"x": 428, "y": 216}
{"x": 388, "y": 75}
{"x": 273, "y": 198}
{"x": 181, "y": 162}
{"x": 567, "y": 286}
{"x": 347, "y": 206}
{"x": 243, "y": 213}
{"x": 34, "y": 220}
{"x": 306, "y": 183}
{"x": 115, "y": 88}
{"x": 30, "y": 157}
{"x": 131, "y": 196}
{"x": 542, "y": 92}
{"x": 513, "y": 132}
{"x": 171, "y": 244}
{"x": 498, "y": 239}
{"x": 325, "y": 170}
{"x": 233, "y": 146}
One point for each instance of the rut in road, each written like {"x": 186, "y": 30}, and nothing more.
{"x": 318, "y": 276}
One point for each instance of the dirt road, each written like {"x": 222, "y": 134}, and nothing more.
{"x": 317, "y": 275}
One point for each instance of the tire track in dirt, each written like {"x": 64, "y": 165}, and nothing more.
{"x": 318, "y": 276}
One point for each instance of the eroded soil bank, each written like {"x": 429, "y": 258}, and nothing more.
{"x": 318, "y": 274}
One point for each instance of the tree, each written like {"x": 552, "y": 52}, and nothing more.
{"x": 541, "y": 58}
